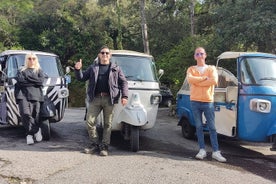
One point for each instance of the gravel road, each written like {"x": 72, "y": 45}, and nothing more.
{"x": 165, "y": 157}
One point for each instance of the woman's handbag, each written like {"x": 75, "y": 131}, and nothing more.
{"x": 47, "y": 108}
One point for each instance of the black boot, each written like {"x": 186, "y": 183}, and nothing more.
{"x": 103, "y": 150}
{"x": 91, "y": 148}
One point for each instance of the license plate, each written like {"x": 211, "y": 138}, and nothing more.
{"x": 2, "y": 89}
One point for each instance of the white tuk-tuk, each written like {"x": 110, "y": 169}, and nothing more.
{"x": 143, "y": 98}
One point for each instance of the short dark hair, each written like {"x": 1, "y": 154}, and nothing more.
{"x": 104, "y": 47}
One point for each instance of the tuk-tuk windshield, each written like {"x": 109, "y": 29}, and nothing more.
{"x": 50, "y": 65}
{"x": 258, "y": 71}
{"x": 136, "y": 68}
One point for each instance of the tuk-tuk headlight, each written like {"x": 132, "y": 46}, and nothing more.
{"x": 155, "y": 98}
{"x": 260, "y": 105}
{"x": 63, "y": 93}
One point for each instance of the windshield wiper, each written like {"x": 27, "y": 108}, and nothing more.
{"x": 135, "y": 78}
{"x": 268, "y": 78}
{"x": 129, "y": 76}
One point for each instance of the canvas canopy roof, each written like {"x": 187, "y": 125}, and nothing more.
{"x": 233, "y": 55}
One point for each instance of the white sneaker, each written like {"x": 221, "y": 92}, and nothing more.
{"x": 30, "y": 139}
{"x": 201, "y": 154}
{"x": 38, "y": 135}
{"x": 217, "y": 156}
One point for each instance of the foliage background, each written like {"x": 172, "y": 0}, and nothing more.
{"x": 76, "y": 29}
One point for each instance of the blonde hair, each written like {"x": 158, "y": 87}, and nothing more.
{"x": 26, "y": 65}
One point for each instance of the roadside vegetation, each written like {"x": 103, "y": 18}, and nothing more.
{"x": 76, "y": 29}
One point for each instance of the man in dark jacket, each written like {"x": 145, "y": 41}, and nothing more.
{"x": 106, "y": 84}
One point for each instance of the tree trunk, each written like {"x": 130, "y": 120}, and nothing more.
{"x": 192, "y": 13}
{"x": 119, "y": 38}
{"x": 144, "y": 27}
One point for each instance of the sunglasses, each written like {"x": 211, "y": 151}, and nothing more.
{"x": 199, "y": 54}
{"x": 104, "y": 53}
{"x": 31, "y": 58}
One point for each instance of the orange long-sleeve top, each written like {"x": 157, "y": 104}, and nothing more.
{"x": 202, "y": 85}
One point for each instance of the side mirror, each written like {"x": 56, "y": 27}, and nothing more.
{"x": 160, "y": 73}
{"x": 67, "y": 79}
{"x": 67, "y": 69}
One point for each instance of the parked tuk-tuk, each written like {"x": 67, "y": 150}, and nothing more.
{"x": 245, "y": 98}
{"x": 54, "y": 87}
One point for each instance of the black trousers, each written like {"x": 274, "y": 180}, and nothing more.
{"x": 29, "y": 111}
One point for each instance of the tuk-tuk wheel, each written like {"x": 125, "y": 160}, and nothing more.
{"x": 134, "y": 138}
{"x": 45, "y": 129}
{"x": 188, "y": 131}
{"x": 273, "y": 148}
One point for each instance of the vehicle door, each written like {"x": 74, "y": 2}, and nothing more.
{"x": 226, "y": 95}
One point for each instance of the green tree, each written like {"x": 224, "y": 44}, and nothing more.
{"x": 242, "y": 25}
{"x": 10, "y": 15}
{"x": 177, "y": 60}
{"x": 76, "y": 29}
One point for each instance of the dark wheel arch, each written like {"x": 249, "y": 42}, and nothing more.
{"x": 45, "y": 129}
{"x": 188, "y": 130}
{"x": 273, "y": 147}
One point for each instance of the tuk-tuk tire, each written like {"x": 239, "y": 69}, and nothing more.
{"x": 134, "y": 138}
{"x": 45, "y": 129}
{"x": 188, "y": 131}
{"x": 273, "y": 147}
